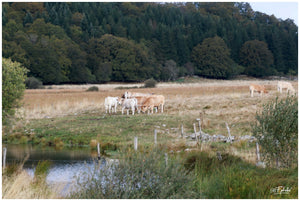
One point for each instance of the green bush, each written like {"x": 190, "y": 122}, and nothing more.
{"x": 93, "y": 88}
{"x": 139, "y": 176}
{"x": 33, "y": 83}
{"x": 150, "y": 83}
{"x": 276, "y": 130}
{"x": 13, "y": 87}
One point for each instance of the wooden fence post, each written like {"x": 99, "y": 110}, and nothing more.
{"x": 4, "y": 157}
{"x": 257, "y": 153}
{"x": 228, "y": 129}
{"x": 182, "y": 130}
{"x": 155, "y": 137}
{"x": 98, "y": 149}
{"x": 199, "y": 123}
{"x": 135, "y": 143}
{"x": 166, "y": 159}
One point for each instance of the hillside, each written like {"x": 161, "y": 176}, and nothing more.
{"x": 96, "y": 42}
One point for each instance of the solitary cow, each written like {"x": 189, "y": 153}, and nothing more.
{"x": 257, "y": 88}
{"x": 154, "y": 101}
{"x": 285, "y": 85}
{"x": 111, "y": 102}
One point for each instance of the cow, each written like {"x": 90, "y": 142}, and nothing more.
{"x": 153, "y": 101}
{"x": 111, "y": 102}
{"x": 129, "y": 94}
{"x": 140, "y": 102}
{"x": 128, "y": 103}
{"x": 285, "y": 85}
{"x": 257, "y": 88}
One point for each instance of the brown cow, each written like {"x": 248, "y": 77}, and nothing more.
{"x": 257, "y": 88}
{"x": 154, "y": 101}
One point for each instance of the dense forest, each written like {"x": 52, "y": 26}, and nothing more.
{"x": 97, "y": 42}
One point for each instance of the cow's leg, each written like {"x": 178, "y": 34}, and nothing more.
{"x": 127, "y": 111}
{"x": 105, "y": 108}
{"x": 251, "y": 93}
{"x": 122, "y": 110}
{"x": 132, "y": 109}
{"x": 162, "y": 108}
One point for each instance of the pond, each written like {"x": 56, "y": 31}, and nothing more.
{"x": 68, "y": 164}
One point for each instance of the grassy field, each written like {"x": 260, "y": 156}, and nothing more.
{"x": 69, "y": 115}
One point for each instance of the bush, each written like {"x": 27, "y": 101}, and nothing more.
{"x": 276, "y": 130}
{"x": 150, "y": 83}
{"x": 139, "y": 176}
{"x": 93, "y": 88}
{"x": 33, "y": 83}
{"x": 13, "y": 87}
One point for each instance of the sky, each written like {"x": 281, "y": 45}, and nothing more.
{"x": 283, "y": 10}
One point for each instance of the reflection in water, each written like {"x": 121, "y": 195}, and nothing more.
{"x": 68, "y": 165}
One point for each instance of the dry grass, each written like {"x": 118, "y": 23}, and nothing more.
{"x": 218, "y": 101}
{"x": 22, "y": 186}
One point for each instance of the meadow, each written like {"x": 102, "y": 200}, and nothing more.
{"x": 68, "y": 115}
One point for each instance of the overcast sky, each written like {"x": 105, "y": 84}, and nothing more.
{"x": 283, "y": 10}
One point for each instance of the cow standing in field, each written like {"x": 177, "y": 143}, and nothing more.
{"x": 111, "y": 102}
{"x": 153, "y": 101}
{"x": 285, "y": 85}
{"x": 140, "y": 102}
{"x": 257, "y": 88}
{"x": 128, "y": 103}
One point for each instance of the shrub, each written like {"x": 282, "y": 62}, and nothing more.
{"x": 276, "y": 130}
{"x": 33, "y": 83}
{"x": 139, "y": 175}
{"x": 150, "y": 83}
{"x": 93, "y": 88}
{"x": 13, "y": 87}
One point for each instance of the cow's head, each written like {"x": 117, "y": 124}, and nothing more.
{"x": 144, "y": 109}
{"x": 120, "y": 100}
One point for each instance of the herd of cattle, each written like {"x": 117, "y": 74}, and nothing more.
{"x": 135, "y": 101}
{"x": 147, "y": 102}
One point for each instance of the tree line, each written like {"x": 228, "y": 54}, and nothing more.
{"x": 96, "y": 42}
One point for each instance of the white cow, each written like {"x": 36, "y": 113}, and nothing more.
{"x": 111, "y": 102}
{"x": 285, "y": 85}
{"x": 128, "y": 103}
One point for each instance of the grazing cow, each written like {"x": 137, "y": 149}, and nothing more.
{"x": 257, "y": 88}
{"x": 285, "y": 85}
{"x": 140, "y": 102}
{"x": 154, "y": 101}
{"x": 129, "y": 94}
{"x": 128, "y": 103}
{"x": 111, "y": 102}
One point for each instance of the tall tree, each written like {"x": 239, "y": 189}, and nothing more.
{"x": 256, "y": 58}
{"x": 212, "y": 59}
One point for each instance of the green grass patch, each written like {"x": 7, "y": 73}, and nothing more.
{"x": 114, "y": 129}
